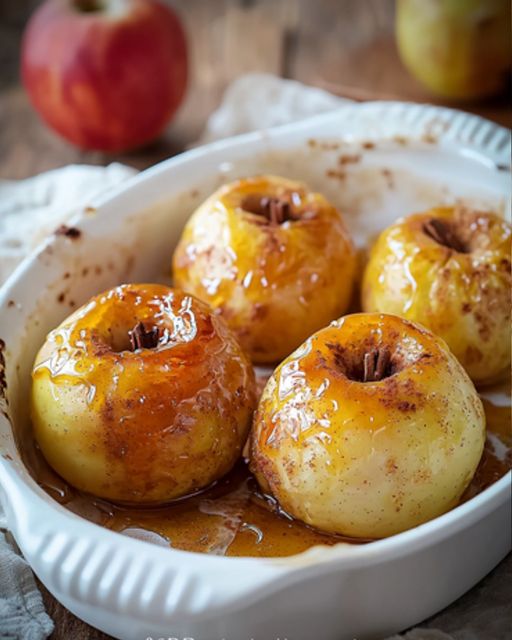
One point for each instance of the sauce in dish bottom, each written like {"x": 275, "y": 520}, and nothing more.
{"x": 233, "y": 517}
{"x": 142, "y": 399}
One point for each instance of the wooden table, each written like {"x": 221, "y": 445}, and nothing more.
{"x": 343, "y": 45}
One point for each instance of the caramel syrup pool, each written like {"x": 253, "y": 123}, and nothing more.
{"x": 232, "y": 518}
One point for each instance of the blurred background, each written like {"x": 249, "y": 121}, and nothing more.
{"x": 345, "y": 46}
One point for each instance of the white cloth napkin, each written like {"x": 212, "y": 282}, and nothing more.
{"x": 22, "y": 614}
{"x": 260, "y": 100}
{"x": 33, "y": 208}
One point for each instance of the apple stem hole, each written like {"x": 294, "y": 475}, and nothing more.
{"x": 375, "y": 364}
{"x": 88, "y": 6}
{"x": 143, "y": 338}
{"x": 443, "y": 233}
{"x": 275, "y": 210}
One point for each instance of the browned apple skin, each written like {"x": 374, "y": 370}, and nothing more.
{"x": 274, "y": 284}
{"x": 143, "y": 426}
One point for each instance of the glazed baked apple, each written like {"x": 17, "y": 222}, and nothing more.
{"x": 449, "y": 268}
{"x": 273, "y": 258}
{"x": 371, "y": 427}
{"x": 142, "y": 395}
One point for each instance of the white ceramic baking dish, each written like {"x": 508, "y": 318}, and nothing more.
{"x": 376, "y": 161}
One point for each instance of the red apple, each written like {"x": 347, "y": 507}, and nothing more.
{"x": 105, "y": 74}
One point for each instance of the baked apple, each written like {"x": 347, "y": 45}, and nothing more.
{"x": 371, "y": 427}
{"x": 272, "y": 257}
{"x": 142, "y": 395}
{"x": 449, "y": 268}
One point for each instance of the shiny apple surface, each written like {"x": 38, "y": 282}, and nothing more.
{"x": 371, "y": 427}
{"x": 273, "y": 258}
{"x": 142, "y": 395}
{"x": 449, "y": 269}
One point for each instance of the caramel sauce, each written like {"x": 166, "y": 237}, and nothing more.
{"x": 497, "y": 456}
{"x": 232, "y": 517}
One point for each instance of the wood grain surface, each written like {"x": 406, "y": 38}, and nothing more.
{"x": 346, "y": 46}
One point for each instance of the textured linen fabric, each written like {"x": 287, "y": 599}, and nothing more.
{"x": 22, "y": 614}
{"x": 33, "y": 208}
